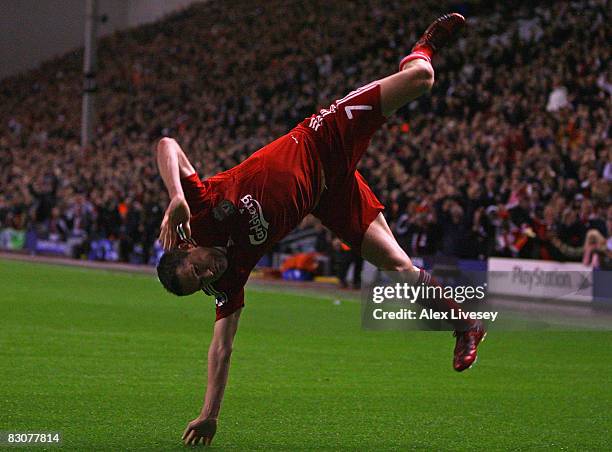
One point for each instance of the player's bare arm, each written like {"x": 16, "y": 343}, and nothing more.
{"x": 203, "y": 427}
{"x": 173, "y": 164}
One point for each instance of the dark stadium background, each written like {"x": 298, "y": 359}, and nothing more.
{"x": 510, "y": 156}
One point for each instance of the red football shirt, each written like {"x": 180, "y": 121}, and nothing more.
{"x": 252, "y": 206}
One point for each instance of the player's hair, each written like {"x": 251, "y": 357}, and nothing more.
{"x": 166, "y": 270}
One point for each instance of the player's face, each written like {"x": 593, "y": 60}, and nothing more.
{"x": 203, "y": 266}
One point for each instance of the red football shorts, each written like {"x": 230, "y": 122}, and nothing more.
{"x": 348, "y": 205}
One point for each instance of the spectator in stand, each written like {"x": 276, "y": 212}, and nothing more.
{"x": 595, "y": 249}
{"x": 344, "y": 259}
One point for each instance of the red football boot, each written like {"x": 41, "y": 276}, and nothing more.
{"x": 467, "y": 346}
{"x": 437, "y": 35}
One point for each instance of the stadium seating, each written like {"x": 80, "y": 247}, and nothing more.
{"x": 510, "y": 155}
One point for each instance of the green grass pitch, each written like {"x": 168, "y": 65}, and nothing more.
{"x": 114, "y": 363}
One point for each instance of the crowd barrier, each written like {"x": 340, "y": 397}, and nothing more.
{"x": 524, "y": 279}
{"x": 508, "y": 277}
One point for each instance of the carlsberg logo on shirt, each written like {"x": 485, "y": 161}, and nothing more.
{"x": 258, "y": 226}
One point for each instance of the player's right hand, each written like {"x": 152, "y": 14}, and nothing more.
{"x": 177, "y": 213}
{"x": 200, "y": 429}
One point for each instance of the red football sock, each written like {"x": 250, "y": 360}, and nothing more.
{"x": 416, "y": 55}
{"x": 425, "y": 49}
{"x": 443, "y": 304}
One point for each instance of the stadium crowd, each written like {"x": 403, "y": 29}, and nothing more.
{"x": 510, "y": 155}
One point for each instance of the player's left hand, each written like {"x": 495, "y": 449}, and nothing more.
{"x": 200, "y": 429}
{"x": 177, "y": 213}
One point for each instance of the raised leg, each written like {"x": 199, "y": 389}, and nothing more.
{"x": 415, "y": 79}
{"x": 416, "y": 76}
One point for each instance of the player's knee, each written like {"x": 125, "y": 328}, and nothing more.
{"x": 165, "y": 141}
{"x": 420, "y": 74}
{"x": 424, "y": 74}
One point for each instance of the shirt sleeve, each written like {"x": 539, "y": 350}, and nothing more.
{"x": 228, "y": 304}
{"x": 195, "y": 191}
